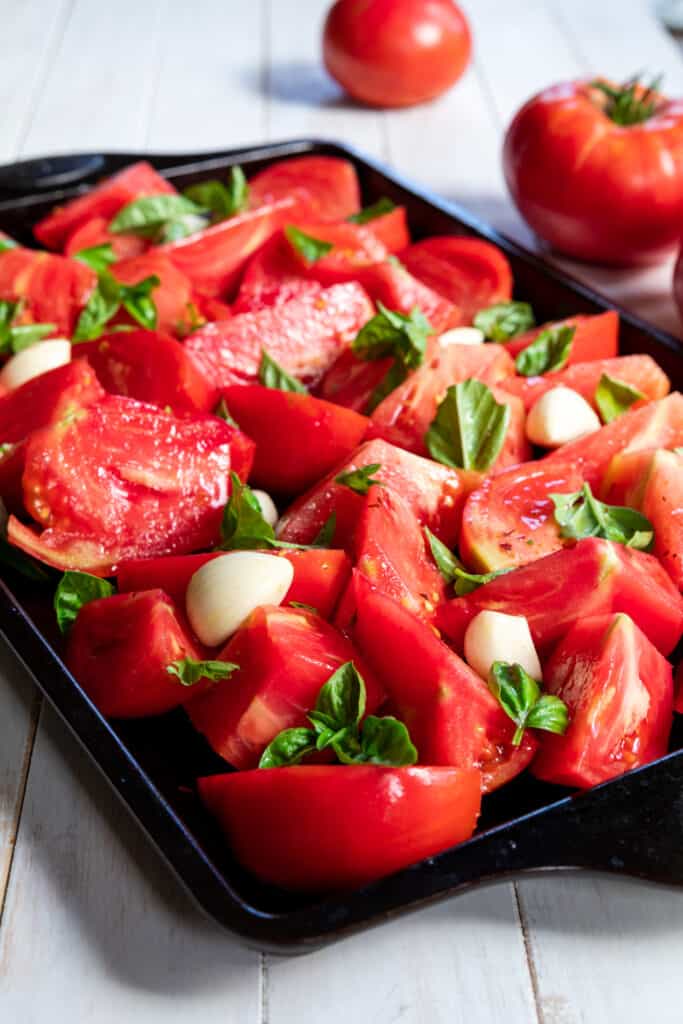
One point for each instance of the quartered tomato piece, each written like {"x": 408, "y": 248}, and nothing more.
{"x": 594, "y": 577}
{"x": 118, "y": 651}
{"x": 320, "y": 575}
{"x": 325, "y": 188}
{"x": 271, "y": 277}
{"x": 351, "y": 381}
{"x": 149, "y": 366}
{"x": 595, "y": 337}
{"x": 354, "y": 246}
{"x": 390, "y": 552}
{"x": 341, "y": 827}
{"x": 435, "y": 494}
{"x": 172, "y": 297}
{"x": 619, "y": 692}
{"x": 209, "y": 308}
{"x": 640, "y": 372}
{"x": 96, "y": 232}
{"x": 47, "y": 398}
{"x": 391, "y": 229}
{"x": 285, "y": 656}
{"x": 121, "y": 479}
{"x": 470, "y": 273}
{"x": 298, "y": 438}
{"x": 104, "y": 200}
{"x": 509, "y": 519}
{"x": 451, "y": 715}
{"x": 53, "y": 289}
{"x": 304, "y": 336}
{"x": 397, "y": 289}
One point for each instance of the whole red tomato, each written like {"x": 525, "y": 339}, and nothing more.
{"x": 597, "y": 170}
{"x": 395, "y": 53}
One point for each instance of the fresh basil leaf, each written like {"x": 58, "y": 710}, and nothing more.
{"x": 505, "y": 320}
{"x": 581, "y": 515}
{"x": 614, "y": 397}
{"x": 103, "y": 304}
{"x": 453, "y": 571}
{"x": 549, "y": 352}
{"x": 221, "y": 200}
{"x": 519, "y": 695}
{"x": 73, "y": 591}
{"x": 189, "y": 671}
{"x": 325, "y": 537}
{"x": 386, "y": 741}
{"x": 288, "y": 748}
{"x": 17, "y": 561}
{"x": 159, "y": 218}
{"x": 136, "y": 300}
{"x": 373, "y": 211}
{"x": 7, "y": 243}
{"x": 8, "y": 313}
{"x": 469, "y": 428}
{"x": 223, "y": 412}
{"x": 243, "y": 526}
{"x": 360, "y": 480}
{"x": 394, "y": 334}
{"x": 312, "y": 249}
{"x": 97, "y": 257}
{"x": 271, "y": 375}
{"x": 24, "y": 335}
{"x": 302, "y": 606}
{"x": 466, "y": 582}
{"x": 341, "y": 701}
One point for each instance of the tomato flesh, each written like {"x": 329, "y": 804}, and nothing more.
{"x": 52, "y": 289}
{"x": 96, "y": 232}
{"x": 47, "y": 398}
{"x": 325, "y": 188}
{"x": 354, "y": 246}
{"x": 595, "y": 337}
{"x": 172, "y": 297}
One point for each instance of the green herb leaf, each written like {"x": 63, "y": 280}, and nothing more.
{"x": 25, "y": 335}
{"x": 520, "y": 698}
{"x": 7, "y": 243}
{"x": 73, "y": 591}
{"x": 223, "y": 413}
{"x": 386, "y": 741}
{"x": 106, "y": 300}
{"x": 312, "y": 249}
{"x": 222, "y": 201}
{"x": 325, "y": 537}
{"x": 98, "y": 257}
{"x": 341, "y": 701}
{"x": 271, "y": 375}
{"x": 161, "y": 218}
{"x": 581, "y": 515}
{"x": 549, "y": 352}
{"x": 189, "y": 671}
{"x": 302, "y": 606}
{"x": 505, "y": 320}
{"x": 614, "y": 397}
{"x": 360, "y": 480}
{"x": 288, "y": 747}
{"x": 369, "y": 213}
{"x": 453, "y": 571}
{"x": 135, "y": 299}
{"x": 469, "y": 428}
{"x": 243, "y": 526}
{"x": 393, "y": 334}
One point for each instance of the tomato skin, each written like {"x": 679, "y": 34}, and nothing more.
{"x": 391, "y": 229}
{"x": 150, "y": 366}
{"x": 172, "y": 297}
{"x": 95, "y": 232}
{"x": 354, "y": 246}
{"x": 595, "y": 337}
{"x": 619, "y": 692}
{"x": 320, "y": 576}
{"x": 591, "y": 188}
{"x": 303, "y": 335}
{"x": 396, "y": 53}
{"x": 340, "y": 827}
{"x": 399, "y": 290}
{"x": 104, "y": 200}
{"x": 470, "y": 273}
{"x": 53, "y": 289}
{"x": 451, "y": 715}
{"x": 325, "y": 188}
{"x": 350, "y": 381}
{"x": 118, "y": 650}
{"x": 298, "y": 438}
{"x": 285, "y": 656}
{"x": 641, "y": 372}
{"x": 47, "y": 398}
{"x": 593, "y": 577}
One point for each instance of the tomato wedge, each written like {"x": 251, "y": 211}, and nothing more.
{"x": 397, "y": 289}
{"x": 172, "y": 297}
{"x": 325, "y": 188}
{"x": 470, "y": 273}
{"x": 351, "y": 381}
{"x": 136, "y": 636}
{"x": 451, "y": 714}
{"x": 284, "y": 655}
{"x": 594, "y": 577}
{"x": 121, "y": 479}
{"x": 104, "y": 200}
{"x": 96, "y": 232}
{"x": 595, "y": 337}
{"x": 47, "y": 398}
{"x": 619, "y": 692}
{"x": 354, "y": 247}
{"x": 270, "y": 278}
{"x": 391, "y": 229}
{"x": 341, "y": 827}
{"x": 53, "y": 289}
{"x": 298, "y": 438}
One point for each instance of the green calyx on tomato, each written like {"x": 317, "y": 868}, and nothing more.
{"x": 520, "y": 697}
{"x": 453, "y": 571}
{"x": 469, "y": 428}
{"x": 614, "y": 397}
{"x": 73, "y": 591}
{"x": 243, "y": 527}
{"x": 310, "y": 248}
{"x": 221, "y": 200}
{"x": 162, "y": 218}
{"x": 629, "y": 103}
{"x": 16, "y": 337}
{"x": 272, "y": 375}
{"x": 108, "y": 298}
{"x": 505, "y": 320}
{"x": 581, "y": 515}
{"x": 189, "y": 671}
{"x": 547, "y": 353}
{"x": 360, "y": 480}
{"x": 336, "y": 724}
{"x": 402, "y": 337}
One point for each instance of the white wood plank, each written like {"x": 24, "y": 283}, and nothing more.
{"x": 94, "y": 928}
{"x": 461, "y": 962}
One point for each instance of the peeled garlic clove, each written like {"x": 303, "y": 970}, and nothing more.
{"x": 34, "y": 360}
{"x": 495, "y": 636}
{"x": 559, "y": 416}
{"x": 267, "y": 506}
{"x": 462, "y": 336}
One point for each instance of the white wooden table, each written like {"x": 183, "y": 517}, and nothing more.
{"x": 93, "y": 929}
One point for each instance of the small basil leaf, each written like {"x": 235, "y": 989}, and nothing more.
{"x": 519, "y": 695}
{"x": 189, "y": 671}
{"x": 271, "y": 375}
{"x": 614, "y": 397}
{"x": 73, "y": 591}
{"x": 549, "y": 713}
{"x": 446, "y": 562}
{"x": 288, "y": 748}
{"x": 505, "y": 320}
{"x": 103, "y": 304}
{"x": 25, "y": 335}
{"x": 222, "y": 201}
{"x": 243, "y": 526}
{"x": 136, "y": 300}
{"x": 302, "y": 606}
{"x": 155, "y": 217}
{"x": 97, "y": 257}
{"x": 223, "y": 412}
{"x": 342, "y": 699}
{"x": 581, "y": 515}
{"x": 386, "y": 741}
{"x": 369, "y": 213}
{"x": 360, "y": 480}
{"x": 325, "y": 536}
{"x": 549, "y": 352}
{"x": 469, "y": 428}
{"x": 393, "y": 334}
{"x": 312, "y": 249}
